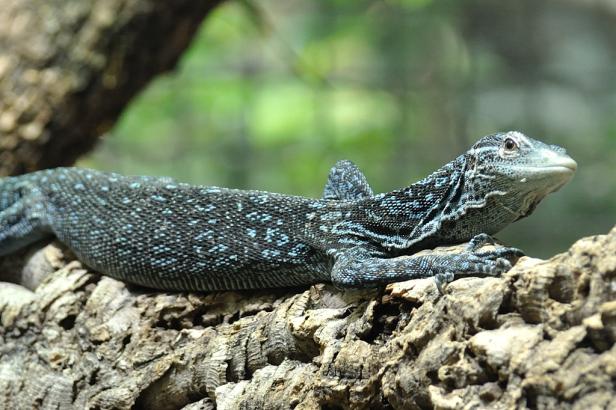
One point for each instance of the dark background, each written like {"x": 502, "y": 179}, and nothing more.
{"x": 273, "y": 92}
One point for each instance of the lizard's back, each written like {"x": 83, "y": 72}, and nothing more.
{"x": 161, "y": 233}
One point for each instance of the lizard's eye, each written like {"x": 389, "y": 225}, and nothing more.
{"x": 510, "y": 144}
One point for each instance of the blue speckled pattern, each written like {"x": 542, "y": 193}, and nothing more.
{"x": 164, "y": 234}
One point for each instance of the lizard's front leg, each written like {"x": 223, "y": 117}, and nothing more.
{"x": 361, "y": 266}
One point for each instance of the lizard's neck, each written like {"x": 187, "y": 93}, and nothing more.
{"x": 400, "y": 218}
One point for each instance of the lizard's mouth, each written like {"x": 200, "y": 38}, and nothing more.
{"x": 545, "y": 171}
{"x": 566, "y": 165}
{"x": 551, "y": 165}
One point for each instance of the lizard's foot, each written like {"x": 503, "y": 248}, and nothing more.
{"x": 482, "y": 239}
{"x": 474, "y": 264}
{"x": 489, "y": 263}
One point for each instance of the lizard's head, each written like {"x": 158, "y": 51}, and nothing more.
{"x": 517, "y": 170}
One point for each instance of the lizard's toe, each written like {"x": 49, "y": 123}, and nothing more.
{"x": 441, "y": 279}
{"x": 478, "y": 241}
{"x": 502, "y": 265}
{"x": 490, "y": 267}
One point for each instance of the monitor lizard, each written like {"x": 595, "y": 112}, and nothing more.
{"x": 163, "y": 234}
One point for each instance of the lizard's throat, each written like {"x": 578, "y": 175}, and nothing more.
{"x": 519, "y": 206}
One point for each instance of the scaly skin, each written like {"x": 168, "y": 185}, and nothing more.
{"x": 173, "y": 236}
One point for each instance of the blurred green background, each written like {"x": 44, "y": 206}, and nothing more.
{"x": 273, "y": 92}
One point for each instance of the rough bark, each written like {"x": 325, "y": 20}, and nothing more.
{"x": 542, "y": 336}
{"x": 68, "y": 68}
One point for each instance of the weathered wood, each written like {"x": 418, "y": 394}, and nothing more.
{"x": 541, "y": 336}
{"x": 69, "y": 67}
